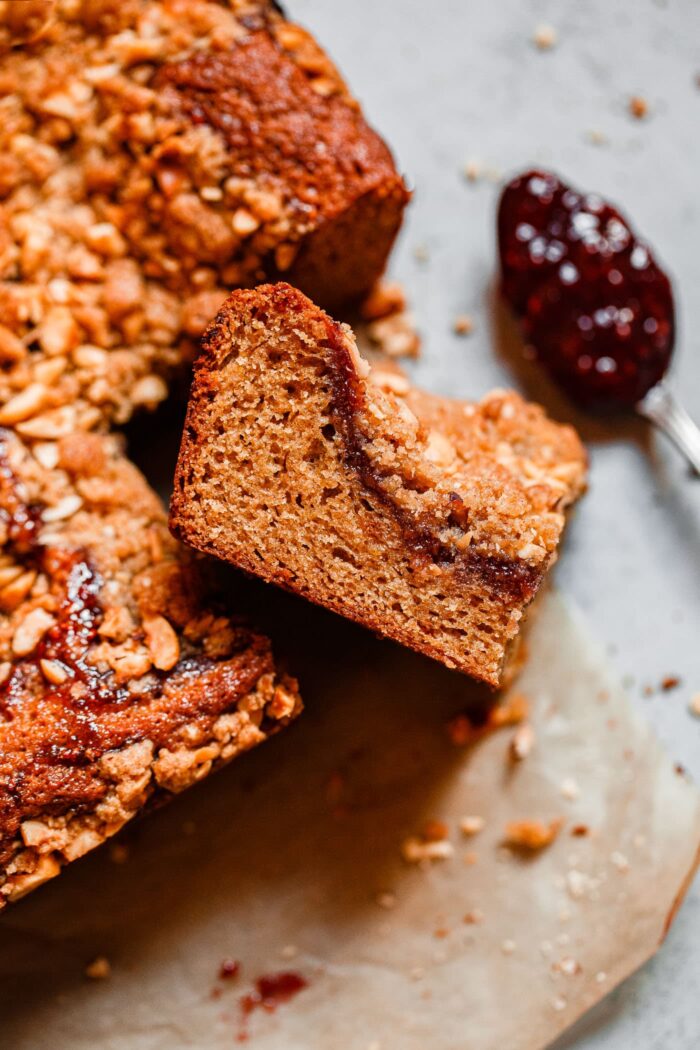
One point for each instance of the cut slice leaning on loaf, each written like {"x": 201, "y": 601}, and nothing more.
{"x": 431, "y": 521}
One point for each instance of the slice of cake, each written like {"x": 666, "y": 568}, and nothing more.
{"x": 116, "y": 685}
{"x": 429, "y": 520}
{"x": 155, "y": 154}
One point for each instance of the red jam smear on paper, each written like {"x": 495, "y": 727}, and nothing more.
{"x": 593, "y": 303}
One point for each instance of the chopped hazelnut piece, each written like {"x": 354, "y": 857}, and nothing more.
{"x": 545, "y": 37}
{"x": 463, "y": 731}
{"x": 99, "y": 969}
{"x": 531, "y": 834}
{"x": 464, "y": 324}
{"x": 638, "y": 107}
{"x": 384, "y": 299}
{"x": 522, "y": 742}
{"x": 415, "y": 850}
{"x": 471, "y": 825}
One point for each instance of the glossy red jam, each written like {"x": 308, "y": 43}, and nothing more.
{"x": 593, "y": 303}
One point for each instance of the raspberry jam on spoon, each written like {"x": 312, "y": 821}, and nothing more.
{"x": 593, "y": 303}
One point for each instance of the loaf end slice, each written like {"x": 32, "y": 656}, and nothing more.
{"x": 119, "y": 685}
{"x": 431, "y": 521}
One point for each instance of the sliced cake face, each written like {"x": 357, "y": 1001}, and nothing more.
{"x": 155, "y": 154}
{"x": 116, "y": 684}
{"x": 429, "y": 520}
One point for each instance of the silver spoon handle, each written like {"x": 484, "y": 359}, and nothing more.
{"x": 662, "y": 408}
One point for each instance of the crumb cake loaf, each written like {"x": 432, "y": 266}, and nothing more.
{"x": 153, "y": 155}
{"x": 429, "y": 520}
{"x": 116, "y": 685}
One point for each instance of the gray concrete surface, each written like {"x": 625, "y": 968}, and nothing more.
{"x": 449, "y": 81}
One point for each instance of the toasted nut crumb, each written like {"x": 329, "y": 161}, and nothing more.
{"x": 568, "y": 966}
{"x": 162, "y": 642}
{"x": 384, "y": 299}
{"x": 472, "y": 170}
{"x": 149, "y": 391}
{"x": 395, "y": 335}
{"x": 638, "y": 107}
{"x": 464, "y": 324}
{"x": 531, "y": 834}
{"x": 99, "y": 969}
{"x": 54, "y": 671}
{"x": 463, "y": 731}
{"x": 544, "y": 37}
{"x": 244, "y": 222}
{"x": 671, "y": 681}
{"x": 473, "y": 917}
{"x": 17, "y": 591}
{"x": 569, "y": 789}
{"x": 392, "y": 382}
{"x": 24, "y": 405}
{"x": 471, "y": 825}
{"x": 415, "y": 850}
{"x": 282, "y": 704}
{"x": 435, "y": 831}
{"x": 619, "y": 861}
{"x": 522, "y": 742}
{"x": 30, "y": 631}
{"x": 64, "y": 509}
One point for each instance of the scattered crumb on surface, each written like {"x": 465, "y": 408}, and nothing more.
{"x": 435, "y": 831}
{"x": 471, "y": 825}
{"x": 395, "y": 335}
{"x": 421, "y": 254}
{"x": 508, "y": 946}
{"x": 511, "y": 711}
{"x": 289, "y": 951}
{"x": 99, "y": 969}
{"x": 522, "y": 742}
{"x": 568, "y": 966}
{"x": 580, "y": 830}
{"x": 386, "y": 900}
{"x": 601, "y": 977}
{"x": 569, "y": 789}
{"x": 473, "y": 917}
{"x": 531, "y": 834}
{"x": 414, "y": 849}
{"x": 671, "y": 681}
{"x": 559, "y": 1003}
{"x": 464, "y": 324}
{"x": 694, "y": 705}
{"x": 619, "y": 861}
{"x": 638, "y": 107}
{"x": 596, "y": 137}
{"x": 472, "y": 170}
{"x": 545, "y": 37}
{"x": 385, "y": 298}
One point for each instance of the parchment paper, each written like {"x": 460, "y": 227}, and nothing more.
{"x": 291, "y": 859}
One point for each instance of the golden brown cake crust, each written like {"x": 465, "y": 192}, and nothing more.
{"x": 117, "y": 685}
{"x": 154, "y": 154}
{"x": 429, "y": 520}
